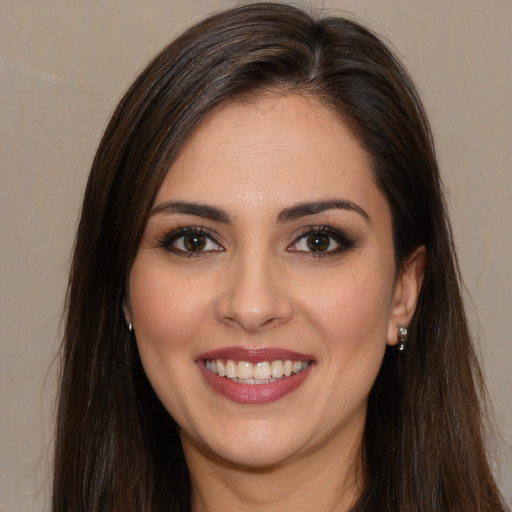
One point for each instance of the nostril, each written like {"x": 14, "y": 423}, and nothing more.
{"x": 253, "y": 321}
{"x": 271, "y": 322}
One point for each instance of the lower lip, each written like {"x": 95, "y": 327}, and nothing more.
{"x": 254, "y": 393}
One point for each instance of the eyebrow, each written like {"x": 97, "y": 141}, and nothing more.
{"x": 311, "y": 208}
{"x": 294, "y": 212}
{"x": 198, "y": 209}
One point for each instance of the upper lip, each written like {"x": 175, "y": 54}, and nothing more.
{"x": 254, "y": 355}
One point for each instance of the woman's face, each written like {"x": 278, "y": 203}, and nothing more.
{"x": 264, "y": 290}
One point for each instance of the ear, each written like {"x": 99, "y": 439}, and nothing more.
{"x": 406, "y": 291}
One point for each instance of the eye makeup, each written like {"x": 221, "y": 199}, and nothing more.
{"x": 190, "y": 241}
{"x": 321, "y": 241}
{"x": 312, "y": 241}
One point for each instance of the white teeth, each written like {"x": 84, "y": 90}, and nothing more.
{"x": 277, "y": 369}
{"x": 296, "y": 367}
{"x": 245, "y": 370}
{"x": 262, "y": 372}
{"x": 231, "y": 369}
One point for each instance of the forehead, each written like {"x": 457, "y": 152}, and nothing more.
{"x": 271, "y": 149}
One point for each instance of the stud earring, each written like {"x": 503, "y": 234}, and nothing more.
{"x": 402, "y": 336}
{"x": 130, "y": 327}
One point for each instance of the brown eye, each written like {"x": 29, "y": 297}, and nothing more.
{"x": 191, "y": 241}
{"x": 322, "y": 241}
{"x": 194, "y": 242}
{"x": 318, "y": 242}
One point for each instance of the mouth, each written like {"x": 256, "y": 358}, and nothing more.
{"x": 254, "y": 376}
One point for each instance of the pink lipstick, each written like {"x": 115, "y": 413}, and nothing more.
{"x": 254, "y": 376}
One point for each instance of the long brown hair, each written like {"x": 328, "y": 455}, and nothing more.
{"x": 117, "y": 449}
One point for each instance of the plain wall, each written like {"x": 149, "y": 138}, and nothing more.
{"x": 65, "y": 64}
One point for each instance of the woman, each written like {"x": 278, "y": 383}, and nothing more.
{"x": 264, "y": 307}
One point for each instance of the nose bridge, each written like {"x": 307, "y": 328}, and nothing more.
{"x": 254, "y": 295}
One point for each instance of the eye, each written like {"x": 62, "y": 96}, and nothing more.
{"x": 321, "y": 241}
{"x": 316, "y": 242}
{"x": 190, "y": 241}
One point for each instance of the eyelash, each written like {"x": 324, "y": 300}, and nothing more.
{"x": 342, "y": 239}
{"x": 344, "y": 242}
{"x": 169, "y": 239}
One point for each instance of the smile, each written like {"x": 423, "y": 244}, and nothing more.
{"x": 262, "y": 372}
{"x": 254, "y": 375}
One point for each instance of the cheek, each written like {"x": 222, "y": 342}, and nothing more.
{"x": 352, "y": 308}
{"x": 167, "y": 316}
{"x": 167, "y": 310}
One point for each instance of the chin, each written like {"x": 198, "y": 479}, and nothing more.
{"x": 265, "y": 458}
{"x": 253, "y": 447}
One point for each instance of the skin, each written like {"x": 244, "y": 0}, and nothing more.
{"x": 257, "y": 283}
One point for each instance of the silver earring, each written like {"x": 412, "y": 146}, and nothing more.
{"x": 402, "y": 336}
{"x": 130, "y": 327}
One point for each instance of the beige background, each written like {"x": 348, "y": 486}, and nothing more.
{"x": 64, "y": 65}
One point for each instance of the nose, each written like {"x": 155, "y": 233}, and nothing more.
{"x": 254, "y": 296}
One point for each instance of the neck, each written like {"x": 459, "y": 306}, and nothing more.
{"x": 317, "y": 481}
